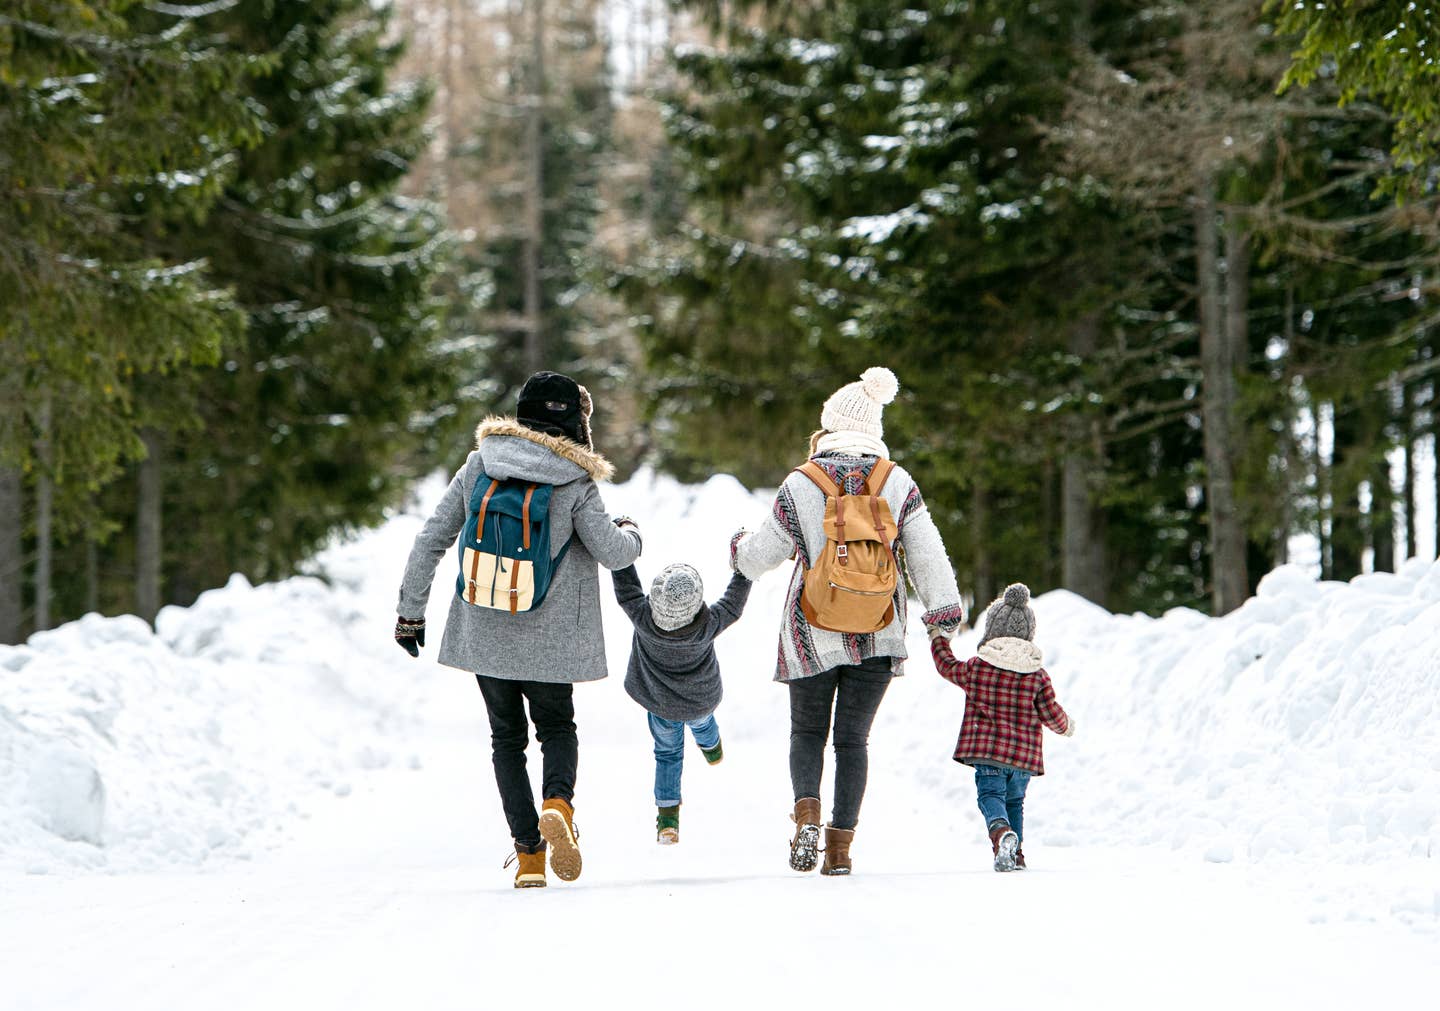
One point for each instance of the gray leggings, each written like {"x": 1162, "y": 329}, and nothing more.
{"x": 854, "y": 694}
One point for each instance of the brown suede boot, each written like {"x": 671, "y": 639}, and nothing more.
{"x": 531, "y": 872}
{"x": 837, "y": 850}
{"x": 557, "y": 825}
{"x": 804, "y": 848}
{"x": 1004, "y": 843}
{"x": 1019, "y": 860}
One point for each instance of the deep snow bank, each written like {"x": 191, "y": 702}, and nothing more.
{"x": 1305, "y": 723}
{"x": 123, "y": 748}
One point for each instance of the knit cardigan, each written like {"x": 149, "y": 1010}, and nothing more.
{"x": 796, "y": 528}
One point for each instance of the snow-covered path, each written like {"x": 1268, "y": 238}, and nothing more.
{"x": 394, "y": 897}
{"x": 1222, "y": 832}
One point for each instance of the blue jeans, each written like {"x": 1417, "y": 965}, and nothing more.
{"x": 1001, "y": 795}
{"x": 670, "y": 752}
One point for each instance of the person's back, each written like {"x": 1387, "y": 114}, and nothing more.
{"x": 532, "y": 657}
{"x": 674, "y": 672}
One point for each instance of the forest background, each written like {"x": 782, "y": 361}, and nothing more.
{"x": 1159, "y": 280}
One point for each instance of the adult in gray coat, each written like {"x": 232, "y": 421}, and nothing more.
{"x": 537, "y": 656}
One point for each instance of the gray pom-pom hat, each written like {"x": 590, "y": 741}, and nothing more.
{"x": 676, "y": 596}
{"x": 1010, "y": 616}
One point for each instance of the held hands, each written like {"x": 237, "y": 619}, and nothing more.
{"x": 1070, "y": 727}
{"x": 410, "y": 634}
{"x": 935, "y": 632}
{"x": 626, "y": 523}
{"x": 735, "y": 540}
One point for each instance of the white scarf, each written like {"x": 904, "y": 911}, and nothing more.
{"x": 857, "y": 443}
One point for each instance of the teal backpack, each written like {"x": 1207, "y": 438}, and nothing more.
{"x": 505, "y": 561}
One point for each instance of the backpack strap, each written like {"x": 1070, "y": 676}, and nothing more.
{"x": 879, "y": 474}
{"x": 817, "y": 475}
{"x": 525, "y": 514}
{"x": 484, "y": 505}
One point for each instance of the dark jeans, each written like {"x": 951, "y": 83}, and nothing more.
{"x": 854, "y": 694}
{"x": 552, "y": 709}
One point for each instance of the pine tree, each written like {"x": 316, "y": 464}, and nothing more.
{"x": 94, "y": 103}
{"x": 306, "y": 426}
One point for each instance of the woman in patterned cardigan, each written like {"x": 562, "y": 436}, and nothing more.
{"x": 841, "y": 677}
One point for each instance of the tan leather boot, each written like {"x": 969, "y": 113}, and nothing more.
{"x": 557, "y": 825}
{"x": 531, "y": 872}
{"x": 837, "y": 850}
{"x": 805, "y": 847}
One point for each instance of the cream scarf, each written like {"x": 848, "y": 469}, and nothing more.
{"x": 1011, "y": 653}
{"x": 857, "y": 443}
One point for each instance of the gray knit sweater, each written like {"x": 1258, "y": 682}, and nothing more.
{"x": 676, "y": 675}
{"x": 796, "y": 528}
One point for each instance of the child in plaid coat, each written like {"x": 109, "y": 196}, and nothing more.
{"x": 1008, "y": 698}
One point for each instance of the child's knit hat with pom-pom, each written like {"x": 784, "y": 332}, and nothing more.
{"x": 857, "y": 407}
{"x": 1010, "y": 615}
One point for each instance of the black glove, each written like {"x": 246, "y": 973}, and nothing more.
{"x": 410, "y": 634}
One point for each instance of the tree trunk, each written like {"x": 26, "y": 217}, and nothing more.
{"x": 12, "y": 556}
{"x": 1409, "y": 432}
{"x": 1382, "y": 515}
{"x": 92, "y": 576}
{"x": 535, "y": 193}
{"x": 452, "y": 129}
{"x": 1289, "y": 464}
{"x": 984, "y": 563}
{"x": 1229, "y": 582}
{"x": 1325, "y": 495}
{"x": 148, "y": 529}
{"x": 44, "y": 517}
{"x": 1084, "y": 561}
{"x": 1347, "y": 530}
{"x": 1050, "y": 527}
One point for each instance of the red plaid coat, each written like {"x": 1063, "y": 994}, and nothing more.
{"x": 1004, "y": 711}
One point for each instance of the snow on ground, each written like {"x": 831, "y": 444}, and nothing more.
{"x": 265, "y": 802}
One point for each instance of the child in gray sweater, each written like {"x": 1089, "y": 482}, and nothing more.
{"x": 674, "y": 672}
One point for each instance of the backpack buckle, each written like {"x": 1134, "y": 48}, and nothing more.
{"x": 842, "y": 552}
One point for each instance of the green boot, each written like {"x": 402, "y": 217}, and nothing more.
{"x": 667, "y": 826}
{"x": 713, "y": 755}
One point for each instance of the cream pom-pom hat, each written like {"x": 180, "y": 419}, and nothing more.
{"x": 857, "y": 407}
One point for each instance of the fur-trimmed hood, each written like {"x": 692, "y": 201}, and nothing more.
{"x": 1011, "y": 653}
{"x": 504, "y": 459}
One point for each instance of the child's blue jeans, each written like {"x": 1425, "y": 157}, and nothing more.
{"x": 670, "y": 752}
{"x": 1001, "y": 795}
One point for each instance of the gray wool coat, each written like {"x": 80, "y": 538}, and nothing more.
{"x": 563, "y": 640}
{"x": 676, "y": 675}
